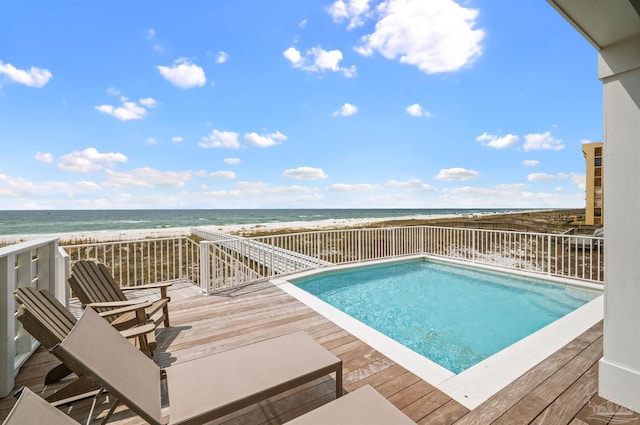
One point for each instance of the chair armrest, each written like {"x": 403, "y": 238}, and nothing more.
{"x": 116, "y": 304}
{"x": 125, "y": 309}
{"x": 148, "y": 286}
{"x": 162, "y": 286}
{"x": 139, "y": 330}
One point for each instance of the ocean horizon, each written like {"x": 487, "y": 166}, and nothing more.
{"x": 29, "y": 222}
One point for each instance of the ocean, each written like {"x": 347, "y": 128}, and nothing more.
{"x": 29, "y": 222}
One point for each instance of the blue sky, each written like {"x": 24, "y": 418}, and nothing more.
{"x": 293, "y": 104}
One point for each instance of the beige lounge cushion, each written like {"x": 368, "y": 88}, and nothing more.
{"x": 365, "y": 406}
{"x": 31, "y": 409}
{"x": 234, "y": 379}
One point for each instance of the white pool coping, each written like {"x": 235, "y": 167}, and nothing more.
{"x": 476, "y": 384}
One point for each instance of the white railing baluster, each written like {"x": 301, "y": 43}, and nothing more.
{"x": 34, "y": 264}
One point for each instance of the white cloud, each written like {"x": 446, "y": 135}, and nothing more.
{"x": 362, "y": 187}
{"x": 89, "y": 160}
{"x": 318, "y": 60}
{"x": 146, "y": 177}
{"x": 496, "y": 142}
{"x": 511, "y": 186}
{"x": 148, "y": 102}
{"x": 259, "y": 193}
{"x": 412, "y": 184}
{"x": 435, "y": 35}
{"x": 534, "y": 177}
{"x": 530, "y": 162}
{"x": 177, "y": 139}
{"x": 303, "y": 23}
{"x": 151, "y": 36}
{"x": 183, "y": 74}
{"x": 128, "y": 110}
{"x": 504, "y": 194}
{"x": 457, "y": 174}
{"x": 294, "y": 56}
{"x": 34, "y": 77}
{"x": 220, "y": 139}
{"x": 579, "y": 180}
{"x": 356, "y": 11}
{"x": 537, "y": 177}
{"x": 113, "y": 91}
{"x": 345, "y": 110}
{"x": 44, "y": 157}
{"x": 305, "y": 173}
{"x": 542, "y": 141}
{"x": 416, "y": 110}
{"x": 229, "y": 175}
{"x": 263, "y": 141}
{"x": 18, "y": 186}
{"x": 222, "y": 57}
{"x": 151, "y": 140}
{"x": 232, "y": 161}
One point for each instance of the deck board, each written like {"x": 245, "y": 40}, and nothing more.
{"x": 561, "y": 389}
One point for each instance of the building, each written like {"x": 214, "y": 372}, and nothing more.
{"x": 613, "y": 29}
{"x": 595, "y": 196}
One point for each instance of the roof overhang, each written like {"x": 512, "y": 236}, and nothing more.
{"x": 602, "y": 22}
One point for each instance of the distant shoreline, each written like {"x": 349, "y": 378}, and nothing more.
{"x": 243, "y": 229}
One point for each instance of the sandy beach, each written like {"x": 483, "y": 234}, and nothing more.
{"x": 238, "y": 229}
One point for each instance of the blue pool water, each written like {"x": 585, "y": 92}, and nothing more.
{"x": 454, "y": 316}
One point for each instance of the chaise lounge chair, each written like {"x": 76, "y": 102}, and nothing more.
{"x": 33, "y": 410}
{"x": 361, "y": 407}
{"x": 46, "y": 319}
{"x": 94, "y": 285}
{"x": 199, "y": 390}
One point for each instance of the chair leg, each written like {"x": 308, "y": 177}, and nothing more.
{"x": 56, "y": 374}
{"x": 165, "y": 310}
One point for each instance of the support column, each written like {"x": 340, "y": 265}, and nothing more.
{"x": 619, "y": 70}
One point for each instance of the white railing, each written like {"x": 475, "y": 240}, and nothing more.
{"x": 233, "y": 261}
{"x": 228, "y": 262}
{"x": 34, "y": 264}
{"x": 143, "y": 261}
{"x": 281, "y": 260}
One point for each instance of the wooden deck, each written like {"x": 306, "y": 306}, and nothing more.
{"x": 560, "y": 390}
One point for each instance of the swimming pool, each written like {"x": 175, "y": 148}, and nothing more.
{"x": 465, "y": 330}
{"x": 454, "y": 316}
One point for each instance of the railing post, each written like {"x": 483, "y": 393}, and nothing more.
{"x": 272, "y": 255}
{"x": 63, "y": 270}
{"x": 549, "y": 254}
{"x": 205, "y": 266}
{"x": 473, "y": 245}
{"x": 7, "y": 325}
{"x": 393, "y": 242}
{"x": 180, "y": 247}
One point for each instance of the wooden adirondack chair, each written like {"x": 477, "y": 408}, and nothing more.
{"x": 46, "y": 319}
{"x": 94, "y": 286}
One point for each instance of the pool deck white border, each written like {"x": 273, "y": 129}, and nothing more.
{"x": 475, "y": 385}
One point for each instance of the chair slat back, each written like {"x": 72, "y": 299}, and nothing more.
{"x": 43, "y": 316}
{"x": 92, "y": 284}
